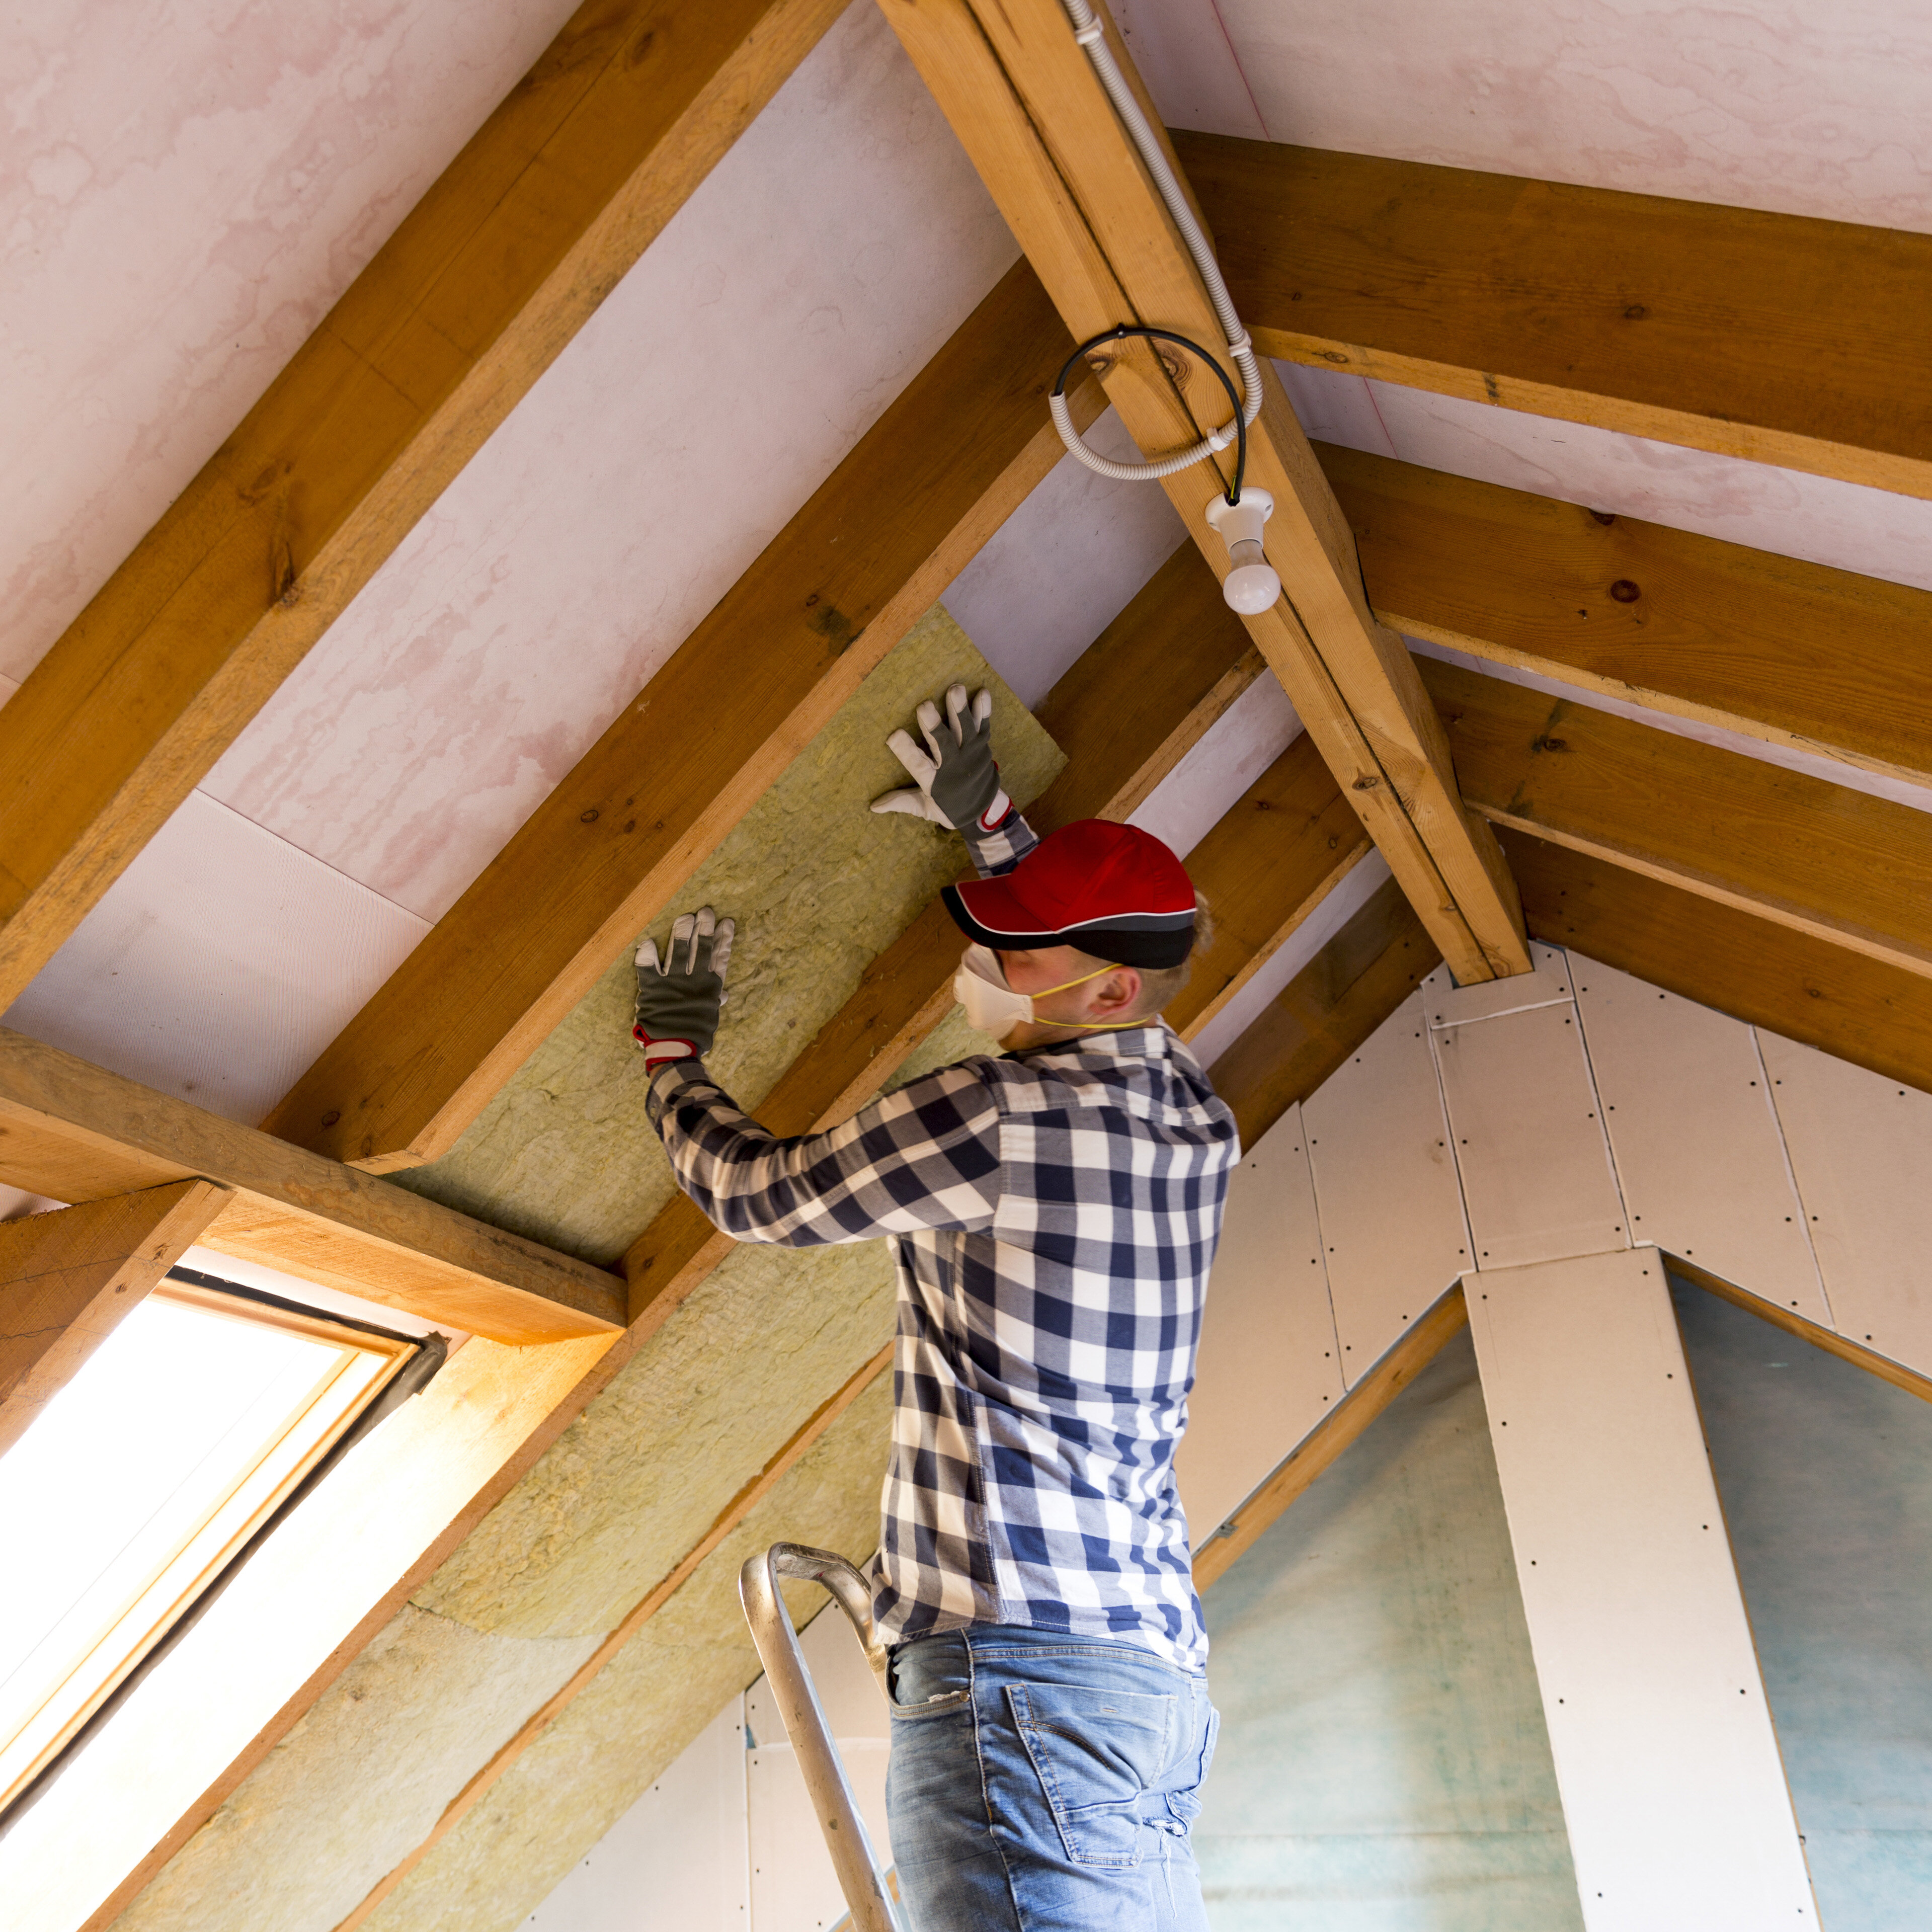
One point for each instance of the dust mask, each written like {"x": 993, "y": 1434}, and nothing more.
{"x": 993, "y": 1007}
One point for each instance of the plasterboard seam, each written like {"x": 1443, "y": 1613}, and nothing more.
{"x": 1791, "y": 1175}
{"x": 1603, "y": 1112}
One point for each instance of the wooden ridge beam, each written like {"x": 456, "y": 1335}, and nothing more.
{"x": 471, "y": 299}
{"x": 1421, "y": 1342}
{"x": 1875, "y": 1015}
{"x": 1324, "y": 1014}
{"x": 1025, "y": 103}
{"x": 1776, "y": 337}
{"x": 76, "y": 1133}
{"x": 1840, "y": 866}
{"x": 1790, "y": 652}
{"x": 766, "y": 670}
{"x": 70, "y": 1277}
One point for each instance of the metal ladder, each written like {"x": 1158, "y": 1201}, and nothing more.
{"x": 825, "y": 1783}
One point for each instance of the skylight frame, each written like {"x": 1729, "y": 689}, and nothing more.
{"x": 125, "y": 1629}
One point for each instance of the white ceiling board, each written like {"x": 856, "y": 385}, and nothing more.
{"x": 765, "y": 329}
{"x": 1785, "y": 105}
{"x": 678, "y": 1856}
{"x": 1230, "y": 755}
{"x": 1270, "y": 1366}
{"x": 1349, "y": 895}
{"x": 1860, "y": 1149}
{"x": 1687, "y": 1103}
{"x": 218, "y": 965}
{"x": 1846, "y": 525}
{"x": 1185, "y": 56}
{"x": 1385, "y": 1185}
{"x": 1063, "y": 566}
{"x": 1673, "y": 1792}
{"x": 185, "y": 187}
{"x": 1524, "y": 1114}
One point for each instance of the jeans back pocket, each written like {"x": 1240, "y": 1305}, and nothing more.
{"x": 1097, "y": 1753}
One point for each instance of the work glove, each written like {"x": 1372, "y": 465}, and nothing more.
{"x": 679, "y": 997}
{"x": 959, "y": 786}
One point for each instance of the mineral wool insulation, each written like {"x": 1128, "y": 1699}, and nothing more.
{"x": 819, "y": 885}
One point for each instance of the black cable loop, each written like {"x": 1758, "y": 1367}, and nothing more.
{"x": 1127, "y": 329}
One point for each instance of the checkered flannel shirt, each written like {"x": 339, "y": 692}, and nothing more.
{"x": 1055, "y": 1213}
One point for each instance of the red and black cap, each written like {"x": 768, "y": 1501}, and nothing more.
{"x": 1113, "y": 891}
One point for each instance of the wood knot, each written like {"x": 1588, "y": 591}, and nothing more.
{"x": 1625, "y": 591}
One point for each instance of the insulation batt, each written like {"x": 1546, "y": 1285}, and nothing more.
{"x": 819, "y": 886}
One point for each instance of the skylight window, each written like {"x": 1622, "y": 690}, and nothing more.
{"x": 145, "y": 1476}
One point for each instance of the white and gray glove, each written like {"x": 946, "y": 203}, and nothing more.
{"x": 679, "y": 997}
{"x": 958, "y": 785}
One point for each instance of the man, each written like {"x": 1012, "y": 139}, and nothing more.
{"x": 1055, "y": 1213}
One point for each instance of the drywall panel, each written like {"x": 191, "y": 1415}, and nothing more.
{"x": 1393, "y": 1235}
{"x": 1269, "y": 1367}
{"x": 218, "y": 965}
{"x": 1680, "y": 1819}
{"x": 679, "y": 1857}
{"x": 1688, "y": 1104}
{"x": 1860, "y": 1149}
{"x": 1535, "y": 1166}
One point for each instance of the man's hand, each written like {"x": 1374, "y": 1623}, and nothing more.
{"x": 679, "y": 998}
{"x": 959, "y": 786}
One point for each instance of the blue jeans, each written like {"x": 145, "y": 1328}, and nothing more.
{"x": 1040, "y": 1782}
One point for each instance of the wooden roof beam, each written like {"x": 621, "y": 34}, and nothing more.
{"x": 1863, "y": 1009}
{"x": 1793, "y": 653}
{"x": 1021, "y": 94}
{"x": 1836, "y": 865}
{"x": 470, "y": 301}
{"x": 939, "y": 472}
{"x": 1776, "y": 338}
{"x": 76, "y": 1133}
{"x": 68, "y": 1278}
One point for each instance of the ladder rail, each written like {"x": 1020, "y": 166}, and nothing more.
{"x": 859, "y": 1877}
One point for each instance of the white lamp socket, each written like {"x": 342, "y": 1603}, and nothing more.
{"x": 1251, "y": 585}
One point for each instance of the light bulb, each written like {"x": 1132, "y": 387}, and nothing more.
{"x": 1252, "y": 585}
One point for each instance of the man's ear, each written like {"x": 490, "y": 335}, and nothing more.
{"x": 1121, "y": 989}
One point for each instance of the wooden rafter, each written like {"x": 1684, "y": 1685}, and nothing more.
{"x": 1838, "y": 865}
{"x": 1775, "y": 336}
{"x": 1790, "y": 653}
{"x": 787, "y": 645}
{"x": 1874, "y": 1014}
{"x": 76, "y": 1133}
{"x": 69, "y": 1277}
{"x": 1021, "y": 96}
{"x": 471, "y": 299}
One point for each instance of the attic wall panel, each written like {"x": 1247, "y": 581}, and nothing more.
{"x": 1270, "y": 1364}
{"x": 1392, "y": 1224}
{"x": 1687, "y": 1103}
{"x": 819, "y": 886}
